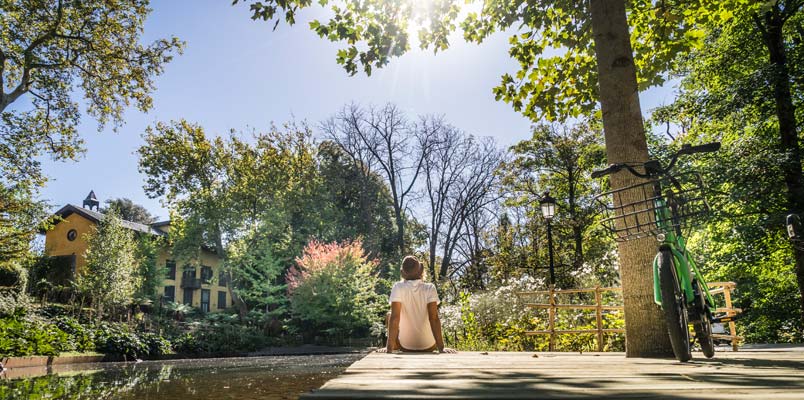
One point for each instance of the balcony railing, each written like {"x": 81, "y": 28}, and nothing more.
{"x": 190, "y": 283}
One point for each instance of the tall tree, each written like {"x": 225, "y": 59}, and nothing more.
{"x": 743, "y": 89}
{"x": 358, "y": 205}
{"x": 110, "y": 277}
{"x": 129, "y": 211}
{"x": 461, "y": 184}
{"x": 771, "y": 21}
{"x": 51, "y": 49}
{"x": 229, "y": 192}
{"x": 50, "y": 52}
{"x": 560, "y": 159}
{"x": 381, "y": 140}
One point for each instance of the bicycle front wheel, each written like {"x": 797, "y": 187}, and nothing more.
{"x": 674, "y": 307}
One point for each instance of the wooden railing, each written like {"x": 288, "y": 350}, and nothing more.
{"x": 552, "y": 306}
{"x": 725, "y": 288}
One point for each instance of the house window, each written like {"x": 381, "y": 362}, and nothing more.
{"x": 188, "y": 297}
{"x": 206, "y": 274}
{"x": 222, "y": 281}
{"x": 204, "y": 300}
{"x": 189, "y": 273}
{"x": 170, "y": 293}
{"x": 170, "y": 265}
{"x": 221, "y": 300}
{"x": 72, "y": 234}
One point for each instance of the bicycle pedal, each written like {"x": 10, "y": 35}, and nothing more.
{"x": 725, "y": 318}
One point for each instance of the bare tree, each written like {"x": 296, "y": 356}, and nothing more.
{"x": 461, "y": 183}
{"x": 382, "y": 140}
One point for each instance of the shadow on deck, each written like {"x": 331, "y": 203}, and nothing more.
{"x": 754, "y": 374}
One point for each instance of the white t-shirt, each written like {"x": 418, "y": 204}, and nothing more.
{"x": 414, "y": 324}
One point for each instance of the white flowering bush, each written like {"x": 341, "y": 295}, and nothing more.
{"x": 498, "y": 319}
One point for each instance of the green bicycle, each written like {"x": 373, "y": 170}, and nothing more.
{"x": 660, "y": 205}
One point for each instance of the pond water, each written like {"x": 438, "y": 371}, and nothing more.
{"x": 274, "y": 377}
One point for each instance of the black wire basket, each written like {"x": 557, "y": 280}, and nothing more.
{"x": 631, "y": 212}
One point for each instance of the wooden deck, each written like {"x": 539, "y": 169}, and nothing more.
{"x": 751, "y": 374}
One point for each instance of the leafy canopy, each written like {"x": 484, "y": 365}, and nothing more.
{"x": 52, "y": 50}
{"x": 550, "y": 39}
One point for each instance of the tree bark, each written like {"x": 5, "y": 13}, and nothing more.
{"x": 771, "y": 26}
{"x": 646, "y": 334}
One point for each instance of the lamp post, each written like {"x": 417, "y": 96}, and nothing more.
{"x": 548, "y": 205}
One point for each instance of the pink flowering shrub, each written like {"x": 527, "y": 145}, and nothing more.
{"x": 333, "y": 290}
{"x": 318, "y": 256}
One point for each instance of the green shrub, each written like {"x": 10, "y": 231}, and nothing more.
{"x": 118, "y": 340}
{"x": 13, "y": 303}
{"x": 19, "y": 337}
{"x": 333, "y": 291}
{"x": 187, "y": 344}
{"x": 79, "y": 338}
{"x": 156, "y": 344}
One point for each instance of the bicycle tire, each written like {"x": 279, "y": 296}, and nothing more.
{"x": 703, "y": 332}
{"x": 674, "y": 307}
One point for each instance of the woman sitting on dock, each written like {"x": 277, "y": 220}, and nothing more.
{"x": 413, "y": 323}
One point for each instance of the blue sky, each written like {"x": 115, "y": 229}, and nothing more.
{"x": 238, "y": 73}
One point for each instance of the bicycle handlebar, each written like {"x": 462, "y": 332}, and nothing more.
{"x": 704, "y": 148}
{"x": 652, "y": 167}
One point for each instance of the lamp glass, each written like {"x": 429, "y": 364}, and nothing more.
{"x": 548, "y": 209}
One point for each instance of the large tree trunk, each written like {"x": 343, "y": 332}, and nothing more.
{"x": 646, "y": 334}
{"x": 771, "y": 26}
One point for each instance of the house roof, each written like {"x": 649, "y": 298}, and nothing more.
{"x": 96, "y": 217}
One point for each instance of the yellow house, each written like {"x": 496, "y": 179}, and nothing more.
{"x": 201, "y": 285}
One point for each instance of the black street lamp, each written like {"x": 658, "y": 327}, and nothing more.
{"x": 548, "y": 205}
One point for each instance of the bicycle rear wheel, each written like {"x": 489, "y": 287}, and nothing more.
{"x": 703, "y": 332}
{"x": 674, "y": 307}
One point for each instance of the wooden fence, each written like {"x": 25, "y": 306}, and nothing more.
{"x": 552, "y": 306}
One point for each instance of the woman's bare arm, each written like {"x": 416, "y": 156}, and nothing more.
{"x": 435, "y": 326}
{"x": 393, "y": 327}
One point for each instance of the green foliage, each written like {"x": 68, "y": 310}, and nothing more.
{"x": 80, "y": 337}
{"x": 51, "y": 52}
{"x": 110, "y": 277}
{"x": 357, "y": 205}
{"x": 558, "y": 159}
{"x": 22, "y": 337}
{"x": 52, "y": 49}
{"x": 20, "y": 221}
{"x": 727, "y": 95}
{"x": 256, "y": 272}
{"x": 333, "y": 291}
{"x": 129, "y": 211}
{"x": 258, "y": 202}
{"x": 152, "y": 274}
{"x": 552, "y": 40}
{"x": 119, "y": 340}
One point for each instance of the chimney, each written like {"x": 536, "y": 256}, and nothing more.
{"x": 91, "y": 201}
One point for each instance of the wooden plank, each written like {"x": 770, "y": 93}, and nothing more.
{"x": 567, "y": 291}
{"x": 730, "y": 285}
{"x": 744, "y": 375}
{"x": 572, "y": 306}
{"x": 574, "y": 331}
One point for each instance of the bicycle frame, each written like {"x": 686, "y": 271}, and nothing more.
{"x": 675, "y": 243}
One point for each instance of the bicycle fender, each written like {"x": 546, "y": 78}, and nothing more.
{"x": 683, "y": 270}
{"x": 657, "y": 291}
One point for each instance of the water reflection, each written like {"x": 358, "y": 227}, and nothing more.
{"x": 277, "y": 377}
